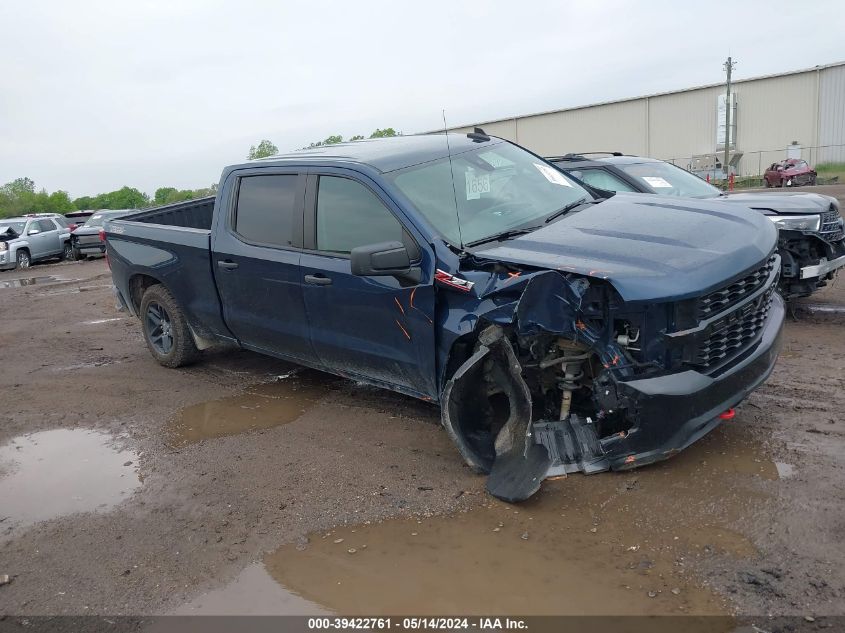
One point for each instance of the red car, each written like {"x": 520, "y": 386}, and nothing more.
{"x": 791, "y": 172}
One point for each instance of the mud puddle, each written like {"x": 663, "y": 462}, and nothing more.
{"x": 31, "y": 281}
{"x": 60, "y": 472}
{"x": 608, "y": 544}
{"x": 260, "y": 407}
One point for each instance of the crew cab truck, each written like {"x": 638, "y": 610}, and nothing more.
{"x": 811, "y": 243}
{"x": 557, "y": 331}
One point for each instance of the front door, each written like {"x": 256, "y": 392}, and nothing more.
{"x": 380, "y": 328}
{"x": 255, "y": 257}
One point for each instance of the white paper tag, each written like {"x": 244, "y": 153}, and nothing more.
{"x": 552, "y": 175}
{"x": 656, "y": 182}
{"x": 476, "y": 185}
{"x": 494, "y": 160}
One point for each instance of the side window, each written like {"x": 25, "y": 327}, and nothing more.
{"x": 603, "y": 179}
{"x": 265, "y": 209}
{"x": 350, "y": 215}
{"x": 46, "y": 225}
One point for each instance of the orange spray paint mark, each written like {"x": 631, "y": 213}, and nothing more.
{"x": 399, "y": 305}
{"x": 404, "y": 331}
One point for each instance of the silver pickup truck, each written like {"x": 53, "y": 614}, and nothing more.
{"x": 29, "y": 239}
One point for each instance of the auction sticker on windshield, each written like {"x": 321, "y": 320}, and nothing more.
{"x": 656, "y": 182}
{"x": 553, "y": 175}
{"x": 476, "y": 185}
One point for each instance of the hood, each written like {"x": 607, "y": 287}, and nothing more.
{"x": 785, "y": 202}
{"x": 8, "y": 234}
{"x": 649, "y": 247}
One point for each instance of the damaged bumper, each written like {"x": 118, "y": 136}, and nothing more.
{"x": 678, "y": 409}
{"x": 822, "y": 268}
{"x": 668, "y": 413}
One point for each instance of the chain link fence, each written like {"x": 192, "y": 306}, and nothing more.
{"x": 748, "y": 169}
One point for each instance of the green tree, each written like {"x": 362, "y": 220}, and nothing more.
{"x": 162, "y": 195}
{"x": 83, "y": 203}
{"x": 386, "y": 132}
{"x": 357, "y": 137}
{"x": 58, "y": 202}
{"x": 265, "y": 148}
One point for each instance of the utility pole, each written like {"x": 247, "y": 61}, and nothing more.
{"x": 728, "y": 66}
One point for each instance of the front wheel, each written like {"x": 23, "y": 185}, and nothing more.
{"x": 166, "y": 330}
{"x": 23, "y": 260}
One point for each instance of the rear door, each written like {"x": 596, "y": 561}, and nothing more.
{"x": 256, "y": 248}
{"x": 380, "y": 328}
{"x": 36, "y": 239}
{"x": 50, "y": 233}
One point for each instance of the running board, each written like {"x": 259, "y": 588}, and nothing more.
{"x": 573, "y": 446}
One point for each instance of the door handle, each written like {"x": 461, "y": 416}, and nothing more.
{"x": 226, "y": 264}
{"x": 318, "y": 280}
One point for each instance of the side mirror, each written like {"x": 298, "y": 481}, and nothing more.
{"x": 385, "y": 259}
{"x": 33, "y": 232}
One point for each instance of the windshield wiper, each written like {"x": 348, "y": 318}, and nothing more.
{"x": 569, "y": 208}
{"x": 504, "y": 235}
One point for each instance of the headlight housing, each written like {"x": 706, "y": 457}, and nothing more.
{"x": 4, "y": 246}
{"x": 797, "y": 222}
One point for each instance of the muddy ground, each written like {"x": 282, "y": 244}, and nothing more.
{"x": 244, "y": 485}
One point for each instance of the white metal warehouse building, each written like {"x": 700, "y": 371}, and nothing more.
{"x": 769, "y": 113}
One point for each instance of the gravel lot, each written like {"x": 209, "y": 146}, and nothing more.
{"x": 128, "y": 488}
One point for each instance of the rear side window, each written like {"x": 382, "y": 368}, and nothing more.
{"x": 350, "y": 215}
{"x": 46, "y": 225}
{"x": 266, "y": 205}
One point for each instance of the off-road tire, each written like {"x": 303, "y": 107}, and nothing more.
{"x": 23, "y": 259}
{"x": 171, "y": 326}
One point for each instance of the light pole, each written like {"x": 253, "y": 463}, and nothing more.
{"x": 728, "y": 66}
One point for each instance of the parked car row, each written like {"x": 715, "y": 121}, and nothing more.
{"x": 38, "y": 237}
{"x": 811, "y": 242}
{"x": 561, "y": 327}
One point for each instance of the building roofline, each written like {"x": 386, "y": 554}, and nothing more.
{"x": 647, "y": 96}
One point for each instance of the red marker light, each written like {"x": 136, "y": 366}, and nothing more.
{"x": 728, "y": 415}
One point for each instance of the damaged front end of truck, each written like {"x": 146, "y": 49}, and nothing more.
{"x": 554, "y": 373}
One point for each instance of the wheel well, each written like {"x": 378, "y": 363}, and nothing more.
{"x": 138, "y": 285}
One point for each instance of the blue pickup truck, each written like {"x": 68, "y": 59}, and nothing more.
{"x": 560, "y": 329}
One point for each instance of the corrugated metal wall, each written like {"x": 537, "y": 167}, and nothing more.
{"x": 772, "y": 112}
{"x": 832, "y": 114}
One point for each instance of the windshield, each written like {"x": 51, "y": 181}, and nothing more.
{"x": 97, "y": 219}
{"x": 497, "y": 187}
{"x": 666, "y": 179}
{"x": 17, "y": 227}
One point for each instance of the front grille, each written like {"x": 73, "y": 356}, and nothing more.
{"x": 733, "y": 332}
{"x": 831, "y": 228}
{"x": 722, "y": 299}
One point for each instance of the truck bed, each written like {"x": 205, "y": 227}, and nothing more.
{"x": 170, "y": 245}
{"x": 192, "y": 214}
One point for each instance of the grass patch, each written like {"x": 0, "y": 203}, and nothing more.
{"x": 830, "y": 173}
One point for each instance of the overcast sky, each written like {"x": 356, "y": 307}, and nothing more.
{"x": 97, "y": 95}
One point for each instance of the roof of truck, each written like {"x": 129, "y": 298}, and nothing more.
{"x": 384, "y": 154}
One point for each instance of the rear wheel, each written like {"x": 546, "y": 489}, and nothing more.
{"x": 77, "y": 254}
{"x": 166, "y": 330}
{"x": 23, "y": 259}
{"x": 67, "y": 251}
